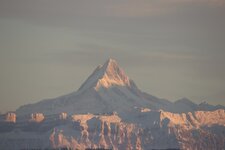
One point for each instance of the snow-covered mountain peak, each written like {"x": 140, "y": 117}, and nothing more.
{"x": 111, "y": 68}
{"x": 106, "y": 76}
{"x": 112, "y": 75}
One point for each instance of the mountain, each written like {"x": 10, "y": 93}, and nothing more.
{"x": 152, "y": 130}
{"x": 109, "y": 111}
{"x": 106, "y": 90}
{"x": 107, "y": 76}
{"x": 185, "y": 105}
{"x": 206, "y": 106}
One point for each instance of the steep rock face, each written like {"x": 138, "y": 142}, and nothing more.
{"x": 37, "y": 117}
{"x": 195, "y": 119}
{"x": 10, "y": 117}
{"x": 206, "y": 138}
{"x": 161, "y": 130}
{"x": 106, "y": 76}
{"x": 197, "y": 130}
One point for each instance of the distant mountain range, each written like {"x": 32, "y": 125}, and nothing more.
{"x": 110, "y": 112}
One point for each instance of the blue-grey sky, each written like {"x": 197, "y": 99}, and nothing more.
{"x": 170, "y": 48}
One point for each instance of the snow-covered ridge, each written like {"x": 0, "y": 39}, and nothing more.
{"x": 190, "y": 119}
{"x": 195, "y": 119}
{"x": 163, "y": 130}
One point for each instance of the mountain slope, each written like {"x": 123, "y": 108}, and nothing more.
{"x": 185, "y": 105}
{"x": 106, "y": 90}
{"x": 152, "y": 130}
{"x": 106, "y": 76}
{"x": 206, "y": 106}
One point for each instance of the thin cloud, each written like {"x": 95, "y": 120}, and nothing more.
{"x": 44, "y": 10}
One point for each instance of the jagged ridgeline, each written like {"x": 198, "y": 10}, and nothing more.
{"x": 109, "y": 111}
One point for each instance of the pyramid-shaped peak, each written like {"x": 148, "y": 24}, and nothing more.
{"x": 106, "y": 76}
{"x": 110, "y": 64}
{"x": 111, "y": 61}
{"x": 112, "y": 70}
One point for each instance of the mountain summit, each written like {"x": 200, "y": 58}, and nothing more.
{"x": 106, "y": 90}
{"x": 106, "y": 76}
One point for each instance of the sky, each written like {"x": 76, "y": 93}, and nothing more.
{"x": 170, "y": 48}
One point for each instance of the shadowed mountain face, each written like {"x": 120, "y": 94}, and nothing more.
{"x": 109, "y": 111}
{"x": 106, "y": 90}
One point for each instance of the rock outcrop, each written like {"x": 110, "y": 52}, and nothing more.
{"x": 161, "y": 130}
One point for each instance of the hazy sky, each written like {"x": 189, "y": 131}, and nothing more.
{"x": 170, "y": 48}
